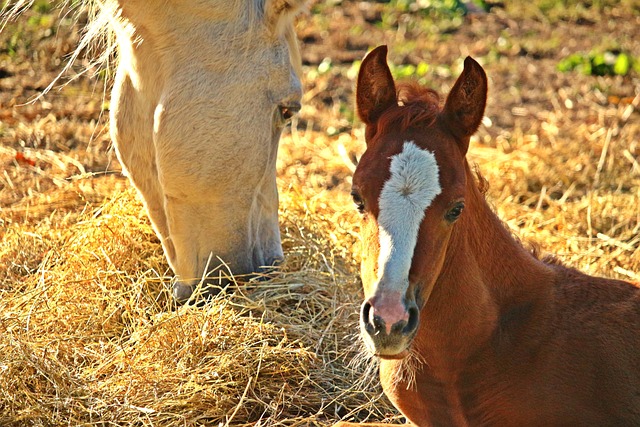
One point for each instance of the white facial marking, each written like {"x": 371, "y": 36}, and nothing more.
{"x": 410, "y": 190}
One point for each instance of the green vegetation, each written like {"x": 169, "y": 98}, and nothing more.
{"x": 435, "y": 15}
{"x": 436, "y": 7}
{"x": 553, "y": 11}
{"x": 42, "y": 6}
{"x": 608, "y": 63}
{"x": 418, "y": 72}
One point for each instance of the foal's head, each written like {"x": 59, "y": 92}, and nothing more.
{"x": 410, "y": 188}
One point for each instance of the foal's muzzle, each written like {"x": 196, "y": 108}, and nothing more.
{"x": 389, "y": 324}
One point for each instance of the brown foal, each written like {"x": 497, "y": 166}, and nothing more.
{"x": 472, "y": 329}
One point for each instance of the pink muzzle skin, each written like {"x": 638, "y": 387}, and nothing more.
{"x": 389, "y": 308}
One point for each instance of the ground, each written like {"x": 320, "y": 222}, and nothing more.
{"x": 87, "y": 333}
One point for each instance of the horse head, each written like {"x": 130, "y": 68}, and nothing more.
{"x": 409, "y": 186}
{"x": 202, "y": 92}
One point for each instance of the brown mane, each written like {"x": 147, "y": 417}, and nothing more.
{"x": 533, "y": 247}
{"x": 416, "y": 104}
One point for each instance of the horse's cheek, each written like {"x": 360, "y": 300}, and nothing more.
{"x": 195, "y": 152}
{"x": 369, "y": 256}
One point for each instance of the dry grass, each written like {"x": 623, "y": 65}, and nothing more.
{"x": 88, "y": 333}
{"x": 90, "y": 336}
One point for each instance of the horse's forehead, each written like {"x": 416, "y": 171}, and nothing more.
{"x": 395, "y": 172}
{"x": 412, "y": 186}
{"x": 376, "y": 163}
{"x": 413, "y": 175}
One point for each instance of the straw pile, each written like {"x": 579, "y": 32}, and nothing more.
{"x": 88, "y": 332}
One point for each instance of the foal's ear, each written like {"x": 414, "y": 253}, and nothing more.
{"x": 376, "y": 90}
{"x": 464, "y": 108}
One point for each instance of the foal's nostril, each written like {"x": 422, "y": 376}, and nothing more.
{"x": 366, "y": 309}
{"x": 373, "y": 324}
{"x": 412, "y": 323}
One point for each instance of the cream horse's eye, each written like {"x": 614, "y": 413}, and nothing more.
{"x": 287, "y": 111}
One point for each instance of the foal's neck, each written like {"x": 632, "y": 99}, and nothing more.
{"x": 488, "y": 278}
{"x": 512, "y": 272}
{"x": 508, "y": 270}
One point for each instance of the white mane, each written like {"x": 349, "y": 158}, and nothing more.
{"x": 97, "y": 44}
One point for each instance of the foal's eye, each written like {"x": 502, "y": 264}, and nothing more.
{"x": 357, "y": 199}
{"x": 454, "y": 212}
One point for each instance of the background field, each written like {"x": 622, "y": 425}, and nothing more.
{"x": 88, "y": 334}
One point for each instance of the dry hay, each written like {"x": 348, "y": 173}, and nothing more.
{"x": 88, "y": 333}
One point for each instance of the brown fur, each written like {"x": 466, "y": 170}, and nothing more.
{"x": 416, "y": 105}
{"x": 504, "y": 338}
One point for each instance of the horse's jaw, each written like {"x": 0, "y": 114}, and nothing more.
{"x": 398, "y": 356}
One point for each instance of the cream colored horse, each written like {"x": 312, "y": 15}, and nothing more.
{"x": 202, "y": 91}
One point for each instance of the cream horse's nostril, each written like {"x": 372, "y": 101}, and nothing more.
{"x": 182, "y": 292}
{"x": 274, "y": 262}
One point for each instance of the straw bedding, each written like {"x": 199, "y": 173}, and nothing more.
{"x": 88, "y": 331}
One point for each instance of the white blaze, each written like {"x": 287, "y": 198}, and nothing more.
{"x": 413, "y": 185}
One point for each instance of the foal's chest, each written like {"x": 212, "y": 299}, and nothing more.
{"x": 429, "y": 400}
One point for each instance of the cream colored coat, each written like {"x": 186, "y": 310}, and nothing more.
{"x": 202, "y": 91}
{"x": 196, "y": 119}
